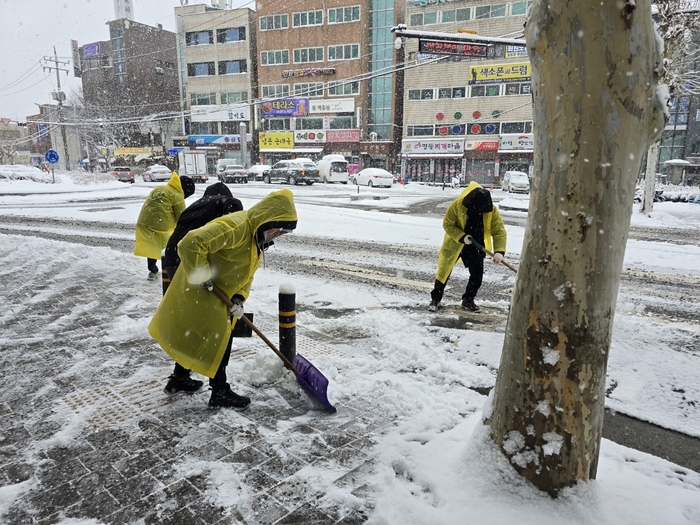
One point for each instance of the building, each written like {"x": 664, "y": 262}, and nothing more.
{"x": 217, "y": 79}
{"x": 326, "y": 83}
{"x": 129, "y": 76}
{"x": 45, "y": 133}
{"x": 467, "y": 109}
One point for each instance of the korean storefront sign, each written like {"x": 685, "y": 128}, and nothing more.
{"x": 277, "y": 140}
{"x": 343, "y": 135}
{"x": 232, "y": 112}
{"x": 499, "y": 73}
{"x": 516, "y": 142}
{"x": 308, "y": 72}
{"x": 309, "y": 137}
{"x": 481, "y": 145}
{"x": 341, "y": 105}
{"x": 202, "y": 140}
{"x": 427, "y": 146}
{"x": 285, "y": 107}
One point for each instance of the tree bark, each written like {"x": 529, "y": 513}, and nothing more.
{"x": 597, "y": 107}
{"x": 647, "y": 204}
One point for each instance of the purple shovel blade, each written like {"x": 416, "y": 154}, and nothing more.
{"x": 313, "y": 381}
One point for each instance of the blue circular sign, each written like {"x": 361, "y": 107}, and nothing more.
{"x": 51, "y": 156}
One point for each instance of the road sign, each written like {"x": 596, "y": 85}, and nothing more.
{"x": 51, "y": 156}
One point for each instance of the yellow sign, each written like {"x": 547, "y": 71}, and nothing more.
{"x": 131, "y": 151}
{"x": 277, "y": 140}
{"x": 499, "y": 73}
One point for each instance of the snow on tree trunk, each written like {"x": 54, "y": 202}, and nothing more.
{"x": 597, "y": 107}
{"x": 647, "y": 205}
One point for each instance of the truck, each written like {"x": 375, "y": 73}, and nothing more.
{"x": 193, "y": 164}
{"x": 333, "y": 168}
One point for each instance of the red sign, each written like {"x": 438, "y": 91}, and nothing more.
{"x": 476, "y": 129}
{"x": 436, "y": 47}
{"x": 343, "y": 135}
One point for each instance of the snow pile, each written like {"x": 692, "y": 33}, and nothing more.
{"x": 21, "y": 172}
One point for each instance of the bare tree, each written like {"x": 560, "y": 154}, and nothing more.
{"x": 678, "y": 21}
{"x": 597, "y": 107}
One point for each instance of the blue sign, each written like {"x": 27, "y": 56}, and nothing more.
{"x": 51, "y": 156}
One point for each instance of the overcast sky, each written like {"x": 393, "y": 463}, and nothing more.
{"x": 29, "y": 30}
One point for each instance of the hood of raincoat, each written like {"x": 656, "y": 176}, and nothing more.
{"x": 192, "y": 324}
{"x": 218, "y": 188}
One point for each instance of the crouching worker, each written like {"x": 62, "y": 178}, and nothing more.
{"x": 216, "y": 202}
{"x": 158, "y": 217}
{"x": 472, "y": 214}
{"x": 192, "y": 324}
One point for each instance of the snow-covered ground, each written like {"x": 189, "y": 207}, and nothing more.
{"x": 436, "y": 465}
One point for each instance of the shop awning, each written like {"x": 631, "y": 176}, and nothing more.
{"x": 435, "y": 156}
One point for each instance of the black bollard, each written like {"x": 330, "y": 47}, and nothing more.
{"x": 288, "y": 322}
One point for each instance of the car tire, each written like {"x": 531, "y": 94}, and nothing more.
{"x": 292, "y": 180}
{"x": 344, "y": 182}
{"x": 369, "y": 184}
{"x": 325, "y": 180}
{"x": 310, "y": 183}
{"x": 266, "y": 179}
{"x": 510, "y": 190}
{"x": 354, "y": 181}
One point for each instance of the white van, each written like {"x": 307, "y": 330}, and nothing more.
{"x": 333, "y": 168}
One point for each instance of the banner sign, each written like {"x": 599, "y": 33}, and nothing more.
{"x": 343, "y": 135}
{"x": 309, "y": 137}
{"x": 453, "y": 147}
{"x": 202, "y": 140}
{"x": 77, "y": 71}
{"x": 276, "y": 140}
{"x": 464, "y": 49}
{"x": 212, "y": 113}
{"x": 91, "y": 50}
{"x": 499, "y": 73}
{"x": 341, "y": 105}
{"x": 132, "y": 151}
{"x": 309, "y": 72}
{"x": 481, "y": 145}
{"x": 285, "y": 107}
{"x": 517, "y": 142}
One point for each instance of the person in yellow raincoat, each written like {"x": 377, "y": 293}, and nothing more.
{"x": 471, "y": 214}
{"x": 191, "y": 323}
{"x": 158, "y": 217}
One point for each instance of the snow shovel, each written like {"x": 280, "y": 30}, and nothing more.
{"x": 504, "y": 263}
{"x": 309, "y": 377}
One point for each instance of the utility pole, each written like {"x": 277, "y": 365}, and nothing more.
{"x": 59, "y": 96}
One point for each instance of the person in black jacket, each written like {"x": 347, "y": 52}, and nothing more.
{"x": 216, "y": 202}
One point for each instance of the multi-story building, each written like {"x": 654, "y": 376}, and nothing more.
{"x": 325, "y": 75}
{"x": 45, "y": 133}
{"x": 217, "y": 77}
{"x": 131, "y": 75}
{"x": 466, "y": 115}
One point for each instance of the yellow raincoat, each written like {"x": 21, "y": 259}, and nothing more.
{"x": 192, "y": 324}
{"x": 158, "y": 218}
{"x": 455, "y": 223}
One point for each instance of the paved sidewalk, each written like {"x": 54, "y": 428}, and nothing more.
{"x": 87, "y": 431}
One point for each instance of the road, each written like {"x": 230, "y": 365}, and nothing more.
{"x": 408, "y": 270}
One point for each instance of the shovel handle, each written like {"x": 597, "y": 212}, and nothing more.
{"x": 487, "y": 252}
{"x": 248, "y": 322}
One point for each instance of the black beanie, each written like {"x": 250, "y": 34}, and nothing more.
{"x": 187, "y": 185}
{"x": 478, "y": 201}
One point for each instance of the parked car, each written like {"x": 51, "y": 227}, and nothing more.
{"x": 299, "y": 171}
{"x": 373, "y": 177}
{"x": 516, "y": 182}
{"x": 123, "y": 174}
{"x": 333, "y": 168}
{"x": 157, "y": 173}
{"x": 234, "y": 173}
{"x": 256, "y": 172}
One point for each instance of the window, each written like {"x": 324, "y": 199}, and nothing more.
{"x": 230, "y": 67}
{"x": 275, "y": 91}
{"x": 268, "y": 23}
{"x": 463, "y": 14}
{"x": 426, "y": 94}
{"x": 198, "y": 38}
{"x": 448, "y": 16}
{"x": 308, "y": 54}
{"x": 308, "y": 18}
{"x": 343, "y": 15}
{"x": 276, "y": 124}
{"x": 416, "y": 20}
{"x": 344, "y": 52}
{"x": 493, "y": 91}
{"x": 420, "y": 131}
{"x": 343, "y": 88}
{"x": 204, "y": 128}
{"x": 234, "y": 97}
{"x": 445, "y": 93}
{"x": 269, "y": 58}
{"x": 519, "y": 88}
{"x": 202, "y": 99}
{"x": 340, "y": 123}
{"x": 483, "y": 128}
{"x": 313, "y": 89}
{"x": 414, "y": 94}
{"x": 200, "y": 69}
{"x": 309, "y": 123}
{"x": 231, "y": 127}
{"x": 513, "y": 127}
{"x": 459, "y": 92}
{"x": 483, "y": 11}
{"x": 232, "y": 34}
{"x": 430, "y": 18}
{"x": 498, "y": 10}
{"x": 518, "y": 8}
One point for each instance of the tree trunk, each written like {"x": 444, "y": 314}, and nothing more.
{"x": 647, "y": 205}
{"x": 597, "y": 107}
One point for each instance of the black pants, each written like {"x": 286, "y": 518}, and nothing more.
{"x": 219, "y": 381}
{"x": 152, "y": 266}
{"x": 473, "y": 260}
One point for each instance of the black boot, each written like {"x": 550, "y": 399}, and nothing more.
{"x": 470, "y": 305}
{"x": 228, "y": 399}
{"x": 182, "y": 384}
